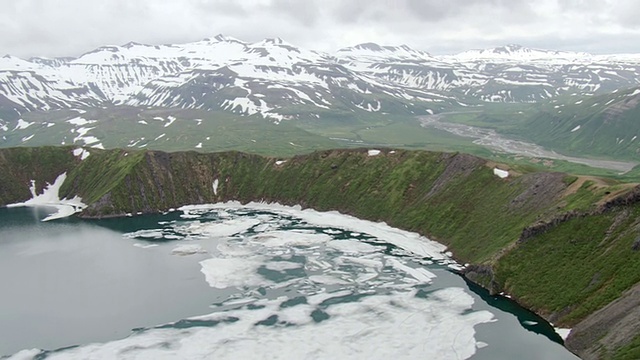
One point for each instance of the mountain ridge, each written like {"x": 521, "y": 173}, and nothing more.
{"x": 118, "y": 74}
{"x": 277, "y": 82}
{"x": 546, "y": 239}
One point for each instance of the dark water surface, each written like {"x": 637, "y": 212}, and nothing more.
{"x": 71, "y": 282}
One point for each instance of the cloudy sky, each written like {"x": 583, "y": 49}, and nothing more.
{"x": 72, "y": 27}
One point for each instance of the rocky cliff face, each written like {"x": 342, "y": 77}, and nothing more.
{"x": 526, "y": 234}
{"x": 19, "y": 167}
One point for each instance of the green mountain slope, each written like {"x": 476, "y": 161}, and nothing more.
{"x": 562, "y": 245}
{"x": 607, "y": 125}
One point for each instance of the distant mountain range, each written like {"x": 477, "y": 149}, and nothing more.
{"x": 271, "y": 76}
{"x": 276, "y": 81}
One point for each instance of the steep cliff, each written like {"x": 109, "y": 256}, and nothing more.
{"x": 20, "y": 166}
{"x": 563, "y": 246}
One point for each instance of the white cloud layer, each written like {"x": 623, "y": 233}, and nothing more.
{"x": 71, "y": 27}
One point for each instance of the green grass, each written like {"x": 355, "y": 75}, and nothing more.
{"x": 629, "y": 352}
{"x": 604, "y": 132}
{"x": 100, "y": 173}
{"x": 120, "y": 127}
{"x": 575, "y": 268}
{"x": 394, "y": 132}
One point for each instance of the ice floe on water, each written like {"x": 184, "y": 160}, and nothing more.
{"x": 412, "y": 242}
{"x": 189, "y": 249}
{"x": 236, "y": 272}
{"x": 298, "y": 284}
{"x": 145, "y": 246}
{"x": 396, "y": 325}
{"x": 50, "y": 197}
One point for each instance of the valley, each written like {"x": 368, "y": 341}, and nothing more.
{"x": 273, "y": 98}
{"x": 491, "y": 139}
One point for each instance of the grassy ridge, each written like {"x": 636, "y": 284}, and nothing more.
{"x": 575, "y": 265}
{"x": 99, "y": 173}
{"x": 455, "y": 198}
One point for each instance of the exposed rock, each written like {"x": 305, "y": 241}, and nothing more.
{"x": 543, "y": 226}
{"x": 540, "y": 190}
{"x": 482, "y": 275}
{"x": 457, "y": 165}
{"x": 609, "y": 328}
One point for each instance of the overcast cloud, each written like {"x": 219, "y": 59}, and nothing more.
{"x": 72, "y": 27}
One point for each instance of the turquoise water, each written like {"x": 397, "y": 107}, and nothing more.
{"x": 228, "y": 283}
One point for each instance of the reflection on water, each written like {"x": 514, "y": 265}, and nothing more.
{"x": 268, "y": 279}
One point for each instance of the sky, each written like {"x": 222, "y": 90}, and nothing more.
{"x": 72, "y": 27}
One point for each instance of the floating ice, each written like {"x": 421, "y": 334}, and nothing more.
{"x": 288, "y": 238}
{"x": 233, "y": 272}
{"x": 288, "y": 283}
{"x": 282, "y": 265}
{"x": 145, "y": 234}
{"x": 352, "y": 246}
{"x": 229, "y": 228}
{"x": 26, "y": 355}
{"x": 399, "y": 326}
{"x": 327, "y": 280}
{"x": 145, "y": 246}
{"x": 420, "y": 274}
{"x": 412, "y": 242}
{"x": 188, "y": 249}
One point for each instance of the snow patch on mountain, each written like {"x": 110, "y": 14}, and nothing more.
{"x": 516, "y": 53}
{"x": 50, "y": 197}
{"x": 27, "y": 138}
{"x": 79, "y": 121}
{"x": 268, "y": 76}
{"x": 81, "y": 153}
{"x": 23, "y": 124}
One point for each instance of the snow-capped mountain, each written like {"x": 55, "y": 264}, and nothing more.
{"x": 511, "y": 73}
{"x": 278, "y": 81}
{"x": 266, "y": 78}
{"x": 518, "y": 53}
